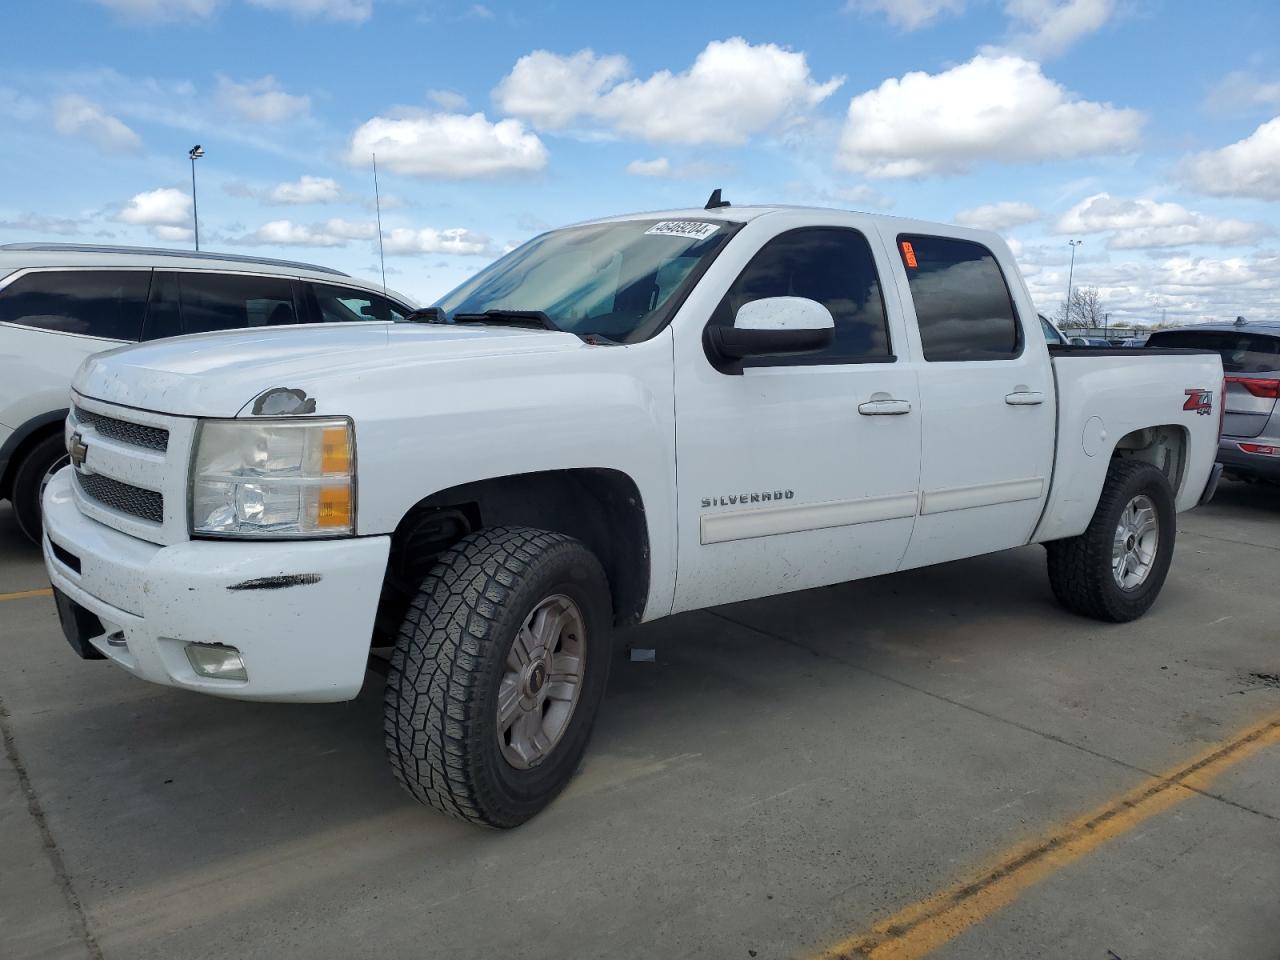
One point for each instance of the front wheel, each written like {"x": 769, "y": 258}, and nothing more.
{"x": 29, "y": 480}
{"x": 1115, "y": 569}
{"x": 497, "y": 674}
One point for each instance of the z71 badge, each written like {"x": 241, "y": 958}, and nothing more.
{"x": 1201, "y": 401}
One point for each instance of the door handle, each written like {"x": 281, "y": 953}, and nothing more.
{"x": 1024, "y": 398}
{"x": 883, "y": 406}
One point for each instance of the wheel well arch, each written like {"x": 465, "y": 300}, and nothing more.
{"x": 599, "y": 506}
{"x": 1165, "y": 446}
{"x": 22, "y": 440}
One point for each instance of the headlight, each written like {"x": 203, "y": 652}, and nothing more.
{"x": 274, "y": 478}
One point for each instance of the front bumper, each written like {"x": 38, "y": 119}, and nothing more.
{"x": 300, "y": 612}
{"x": 1239, "y": 463}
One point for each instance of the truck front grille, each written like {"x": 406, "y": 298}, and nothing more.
{"x": 124, "y": 497}
{"x": 137, "y": 434}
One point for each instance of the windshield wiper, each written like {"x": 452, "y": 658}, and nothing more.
{"x": 533, "y": 319}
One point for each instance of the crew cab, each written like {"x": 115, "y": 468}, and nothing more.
{"x": 615, "y": 422}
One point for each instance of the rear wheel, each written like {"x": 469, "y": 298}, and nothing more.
{"x": 31, "y": 477}
{"x": 497, "y": 674}
{"x": 1115, "y": 569}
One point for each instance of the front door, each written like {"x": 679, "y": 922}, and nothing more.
{"x": 800, "y": 470}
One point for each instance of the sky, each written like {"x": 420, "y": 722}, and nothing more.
{"x": 1147, "y": 129}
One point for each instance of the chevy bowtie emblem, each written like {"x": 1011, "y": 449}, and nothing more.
{"x": 77, "y": 451}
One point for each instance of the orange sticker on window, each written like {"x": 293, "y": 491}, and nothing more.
{"x": 908, "y": 253}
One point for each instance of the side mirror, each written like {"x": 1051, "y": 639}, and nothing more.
{"x": 426, "y": 315}
{"x": 769, "y": 327}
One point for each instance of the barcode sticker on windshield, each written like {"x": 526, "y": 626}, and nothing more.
{"x": 693, "y": 229}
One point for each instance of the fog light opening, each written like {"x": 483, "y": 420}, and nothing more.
{"x": 216, "y": 661}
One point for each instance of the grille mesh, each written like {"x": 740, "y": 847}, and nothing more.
{"x": 137, "y": 434}
{"x": 124, "y": 497}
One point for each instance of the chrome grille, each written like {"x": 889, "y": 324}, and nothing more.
{"x": 137, "y": 434}
{"x": 124, "y": 497}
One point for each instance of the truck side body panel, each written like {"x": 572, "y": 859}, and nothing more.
{"x": 1101, "y": 399}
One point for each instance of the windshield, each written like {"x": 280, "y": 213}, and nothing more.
{"x": 613, "y": 280}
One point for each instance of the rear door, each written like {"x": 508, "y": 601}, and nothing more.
{"x": 986, "y": 398}
{"x": 232, "y": 301}
{"x": 50, "y": 320}
{"x": 1251, "y": 362}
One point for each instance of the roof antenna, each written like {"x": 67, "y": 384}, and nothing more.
{"x": 377, "y": 199}
{"x": 715, "y": 201}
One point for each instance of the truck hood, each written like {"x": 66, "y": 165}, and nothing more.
{"x": 217, "y": 374}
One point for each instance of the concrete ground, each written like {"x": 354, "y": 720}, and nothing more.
{"x": 787, "y": 774}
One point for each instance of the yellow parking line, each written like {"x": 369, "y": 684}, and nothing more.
{"x": 23, "y": 594}
{"x": 926, "y": 925}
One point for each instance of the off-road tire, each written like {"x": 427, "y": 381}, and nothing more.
{"x": 1080, "y": 570}
{"x": 28, "y": 484}
{"x": 441, "y": 697}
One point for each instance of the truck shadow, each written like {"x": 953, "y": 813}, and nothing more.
{"x": 173, "y": 804}
{"x": 1238, "y": 495}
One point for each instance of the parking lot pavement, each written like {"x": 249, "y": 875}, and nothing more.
{"x": 790, "y": 773}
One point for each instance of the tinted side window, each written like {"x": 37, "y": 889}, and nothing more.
{"x": 962, "y": 303}
{"x": 345, "y": 304}
{"x": 162, "y": 308}
{"x": 1240, "y": 352}
{"x": 97, "y": 303}
{"x": 832, "y": 265}
{"x": 213, "y": 301}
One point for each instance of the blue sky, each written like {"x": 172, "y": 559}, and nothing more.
{"x": 1149, "y": 129}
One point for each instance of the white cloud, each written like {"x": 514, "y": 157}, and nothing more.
{"x": 657, "y": 167}
{"x": 1046, "y": 28}
{"x": 1189, "y": 288}
{"x": 260, "y": 101}
{"x": 1210, "y": 272}
{"x": 1143, "y": 224}
{"x": 908, "y": 14}
{"x": 993, "y": 108}
{"x": 663, "y": 167}
{"x": 162, "y": 10}
{"x": 35, "y": 223}
{"x": 1247, "y": 168}
{"x": 999, "y": 216}
{"x": 863, "y": 196}
{"x": 330, "y": 233}
{"x": 550, "y": 91}
{"x": 1239, "y": 89}
{"x": 172, "y": 234}
{"x": 307, "y": 189}
{"x": 449, "y": 100}
{"x": 351, "y": 11}
{"x": 427, "y": 240}
{"x": 166, "y": 206}
{"x": 733, "y": 90}
{"x": 448, "y": 145}
{"x": 75, "y": 115}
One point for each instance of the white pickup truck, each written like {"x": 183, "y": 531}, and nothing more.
{"x": 617, "y": 421}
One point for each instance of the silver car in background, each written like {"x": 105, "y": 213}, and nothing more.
{"x": 1249, "y": 448}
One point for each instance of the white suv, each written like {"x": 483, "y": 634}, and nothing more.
{"x": 59, "y": 303}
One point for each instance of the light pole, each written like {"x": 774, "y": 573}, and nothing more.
{"x": 1070, "y": 274}
{"x": 195, "y": 153}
